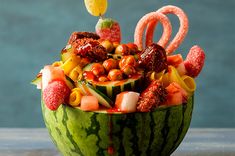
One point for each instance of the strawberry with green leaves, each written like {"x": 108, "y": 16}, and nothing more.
{"x": 108, "y": 29}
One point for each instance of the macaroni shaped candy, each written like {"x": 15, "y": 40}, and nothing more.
{"x": 76, "y": 73}
{"x": 69, "y": 64}
{"x": 186, "y": 82}
{"x": 75, "y": 97}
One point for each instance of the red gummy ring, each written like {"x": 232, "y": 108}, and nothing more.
{"x": 181, "y": 34}
{"x": 144, "y": 21}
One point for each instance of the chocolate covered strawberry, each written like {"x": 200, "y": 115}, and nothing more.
{"x": 108, "y": 29}
{"x": 194, "y": 61}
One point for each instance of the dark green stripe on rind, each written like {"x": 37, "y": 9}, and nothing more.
{"x": 143, "y": 131}
{"x": 151, "y": 138}
{"x": 139, "y": 85}
{"x": 117, "y": 136}
{"x": 76, "y": 132}
{"x": 187, "y": 116}
{"x": 102, "y": 89}
{"x": 80, "y": 124}
{"x": 134, "y": 140}
{"x": 58, "y": 130}
{"x": 47, "y": 124}
{"x": 69, "y": 135}
{"x": 165, "y": 130}
{"x": 103, "y": 121}
{"x": 173, "y": 122}
{"x": 159, "y": 120}
{"x": 129, "y": 136}
{"x": 127, "y": 87}
{"x": 116, "y": 90}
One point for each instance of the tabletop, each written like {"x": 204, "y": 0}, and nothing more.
{"x": 198, "y": 142}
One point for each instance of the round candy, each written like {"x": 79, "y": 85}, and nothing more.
{"x": 96, "y": 7}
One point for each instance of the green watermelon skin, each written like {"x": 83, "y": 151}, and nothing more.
{"x": 79, "y": 133}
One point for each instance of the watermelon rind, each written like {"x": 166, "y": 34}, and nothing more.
{"x": 79, "y": 133}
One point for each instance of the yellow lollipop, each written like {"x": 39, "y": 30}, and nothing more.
{"x": 96, "y": 7}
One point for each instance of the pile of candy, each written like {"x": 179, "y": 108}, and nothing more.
{"x": 97, "y": 72}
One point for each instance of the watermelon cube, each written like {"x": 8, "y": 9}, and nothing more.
{"x": 89, "y": 103}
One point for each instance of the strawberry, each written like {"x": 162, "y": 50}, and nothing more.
{"x": 55, "y": 94}
{"x": 108, "y": 29}
{"x": 194, "y": 61}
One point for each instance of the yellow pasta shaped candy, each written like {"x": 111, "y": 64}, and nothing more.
{"x": 186, "y": 82}
{"x": 190, "y": 83}
{"x": 75, "y": 97}
{"x": 76, "y": 73}
{"x": 69, "y": 64}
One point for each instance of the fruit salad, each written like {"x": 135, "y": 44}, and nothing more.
{"x": 99, "y": 72}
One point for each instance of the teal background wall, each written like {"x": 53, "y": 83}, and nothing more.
{"x": 32, "y": 33}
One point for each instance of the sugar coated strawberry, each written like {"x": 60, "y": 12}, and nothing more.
{"x": 55, "y": 94}
{"x": 108, "y": 29}
{"x": 194, "y": 61}
{"x": 154, "y": 95}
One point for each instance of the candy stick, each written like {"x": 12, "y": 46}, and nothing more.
{"x": 181, "y": 34}
{"x": 145, "y": 20}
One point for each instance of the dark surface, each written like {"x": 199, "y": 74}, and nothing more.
{"x": 32, "y": 33}
{"x": 197, "y": 142}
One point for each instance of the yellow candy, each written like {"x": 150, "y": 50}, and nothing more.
{"x": 75, "y": 97}
{"x": 76, "y": 73}
{"x": 96, "y": 7}
{"x": 186, "y": 82}
{"x": 157, "y": 76}
{"x": 189, "y": 82}
{"x": 69, "y": 64}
